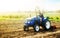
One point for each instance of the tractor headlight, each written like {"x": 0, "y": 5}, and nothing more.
{"x": 28, "y": 21}
{"x": 45, "y": 18}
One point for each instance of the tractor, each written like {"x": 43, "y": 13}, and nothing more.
{"x": 38, "y": 21}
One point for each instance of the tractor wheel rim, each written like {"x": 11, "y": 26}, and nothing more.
{"x": 47, "y": 25}
{"x": 37, "y": 28}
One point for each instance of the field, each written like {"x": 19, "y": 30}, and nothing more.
{"x": 11, "y": 26}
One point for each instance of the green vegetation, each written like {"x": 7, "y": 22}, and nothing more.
{"x": 52, "y": 16}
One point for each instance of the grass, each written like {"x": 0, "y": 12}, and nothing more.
{"x": 52, "y": 16}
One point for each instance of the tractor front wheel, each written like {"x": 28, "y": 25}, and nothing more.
{"x": 26, "y": 28}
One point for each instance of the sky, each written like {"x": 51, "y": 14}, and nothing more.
{"x": 28, "y": 5}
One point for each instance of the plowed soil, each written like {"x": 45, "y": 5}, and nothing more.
{"x": 15, "y": 30}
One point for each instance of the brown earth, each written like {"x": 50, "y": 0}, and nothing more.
{"x": 14, "y": 29}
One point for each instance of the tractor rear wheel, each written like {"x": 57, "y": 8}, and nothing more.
{"x": 47, "y": 25}
{"x": 36, "y": 28}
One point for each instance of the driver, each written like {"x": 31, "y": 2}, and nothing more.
{"x": 41, "y": 16}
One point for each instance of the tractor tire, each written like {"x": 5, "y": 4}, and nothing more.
{"x": 47, "y": 25}
{"x": 26, "y": 28}
{"x": 36, "y": 28}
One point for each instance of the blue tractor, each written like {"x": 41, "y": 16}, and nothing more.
{"x": 36, "y": 22}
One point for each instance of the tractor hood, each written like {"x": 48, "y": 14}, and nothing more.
{"x": 31, "y": 19}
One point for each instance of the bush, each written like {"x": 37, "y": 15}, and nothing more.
{"x": 57, "y": 18}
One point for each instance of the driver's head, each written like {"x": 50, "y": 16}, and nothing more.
{"x": 40, "y": 14}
